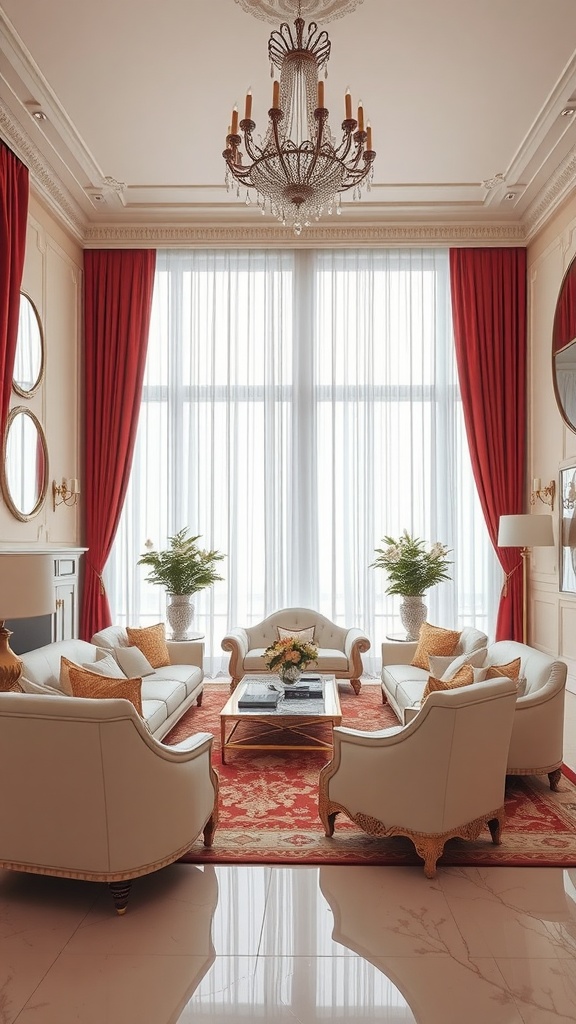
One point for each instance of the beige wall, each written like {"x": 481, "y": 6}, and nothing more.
{"x": 53, "y": 280}
{"x": 552, "y": 614}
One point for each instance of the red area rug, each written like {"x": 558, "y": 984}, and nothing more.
{"x": 269, "y": 806}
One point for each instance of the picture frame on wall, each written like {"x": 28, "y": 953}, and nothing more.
{"x": 567, "y": 532}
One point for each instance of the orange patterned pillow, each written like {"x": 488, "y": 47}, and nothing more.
{"x": 90, "y": 684}
{"x": 511, "y": 669}
{"x": 434, "y": 640}
{"x": 151, "y": 640}
{"x": 463, "y": 677}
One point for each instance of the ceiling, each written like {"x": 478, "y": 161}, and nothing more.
{"x": 465, "y": 100}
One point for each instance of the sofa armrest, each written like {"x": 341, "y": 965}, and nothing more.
{"x": 237, "y": 642}
{"x": 186, "y": 652}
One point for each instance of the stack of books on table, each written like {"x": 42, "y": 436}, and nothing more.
{"x": 260, "y": 698}
{"x": 309, "y": 688}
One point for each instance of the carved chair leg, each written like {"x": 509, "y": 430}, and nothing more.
{"x": 554, "y": 778}
{"x": 234, "y": 683}
{"x": 430, "y": 848}
{"x": 355, "y": 684}
{"x": 120, "y": 893}
{"x": 209, "y": 830}
{"x": 329, "y": 824}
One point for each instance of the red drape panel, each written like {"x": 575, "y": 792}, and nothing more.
{"x": 14, "y": 189}
{"x": 489, "y": 312}
{"x": 118, "y": 287}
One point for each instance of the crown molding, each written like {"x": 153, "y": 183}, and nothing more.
{"x": 558, "y": 187}
{"x": 44, "y": 180}
{"x": 170, "y": 236}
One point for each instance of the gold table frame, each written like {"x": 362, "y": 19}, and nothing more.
{"x": 278, "y": 720}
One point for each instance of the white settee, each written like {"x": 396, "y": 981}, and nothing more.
{"x": 339, "y": 649}
{"x": 88, "y": 793}
{"x": 166, "y": 693}
{"x": 536, "y": 745}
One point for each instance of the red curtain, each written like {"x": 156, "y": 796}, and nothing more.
{"x": 118, "y": 289}
{"x": 489, "y": 312}
{"x": 14, "y": 189}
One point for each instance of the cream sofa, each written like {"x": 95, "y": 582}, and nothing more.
{"x": 339, "y": 650}
{"x": 88, "y": 793}
{"x": 536, "y": 745}
{"x": 166, "y": 694}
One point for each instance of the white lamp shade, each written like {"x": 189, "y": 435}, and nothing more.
{"x": 525, "y": 532}
{"x": 26, "y": 585}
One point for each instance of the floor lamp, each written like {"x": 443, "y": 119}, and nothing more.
{"x": 26, "y": 590}
{"x": 525, "y": 532}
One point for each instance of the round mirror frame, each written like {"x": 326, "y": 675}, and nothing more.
{"x": 27, "y": 393}
{"x": 20, "y": 410}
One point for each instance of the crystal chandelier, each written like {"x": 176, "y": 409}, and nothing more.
{"x": 298, "y": 171}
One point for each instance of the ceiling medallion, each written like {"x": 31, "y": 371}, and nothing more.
{"x": 275, "y": 10}
{"x": 298, "y": 170}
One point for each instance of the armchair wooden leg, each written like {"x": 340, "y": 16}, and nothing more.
{"x": 495, "y": 826}
{"x": 209, "y": 830}
{"x": 234, "y": 683}
{"x": 554, "y": 778}
{"x": 355, "y": 684}
{"x": 199, "y": 699}
{"x": 430, "y": 848}
{"x": 120, "y": 893}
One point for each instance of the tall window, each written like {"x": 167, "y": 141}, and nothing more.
{"x": 298, "y": 406}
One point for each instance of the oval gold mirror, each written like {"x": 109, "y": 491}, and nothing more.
{"x": 24, "y": 471}
{"x": 29, "y": 360}
{"x": 564, "y": 348}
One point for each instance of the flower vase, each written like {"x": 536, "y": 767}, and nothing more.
{"x": 289, "y": 674}
{"x": 180, "y": 613}
{"x": 413, "y": 613}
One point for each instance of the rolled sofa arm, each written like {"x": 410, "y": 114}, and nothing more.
{"x": 355, "y": 642}
{"x": 186, "y": 652}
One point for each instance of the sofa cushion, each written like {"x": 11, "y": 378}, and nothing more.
{"x": 328, "y": 660}
{"x": 107, "y": 666}
{"x": 189, "y": 675}
{"x": 305, "y": 635}
{"x": 476, "y": 660}
{"x": 89, "y": 684}
{"x": 434, "y": 640}
{"x": 511, "y": 669}
{"x": 463, "y": 677}
{"x": 154, "y": 713}
{"x": 132, "y": 661}
{"x": 43, "y": 689}
{"x": 171, "y": 692}
{"x": 152, "y": 642}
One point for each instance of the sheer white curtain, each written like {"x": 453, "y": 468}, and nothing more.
{"x": 297, "y": 407}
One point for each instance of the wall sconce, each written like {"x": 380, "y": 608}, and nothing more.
{"x": 546, "y": 494}
{"x": 66, "y": 493}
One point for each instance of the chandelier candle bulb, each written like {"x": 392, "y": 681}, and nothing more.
{"x": 276, "y": 94}
{"x": 368, "y": 135}
{"x": 248, "y": 106}
{"x": 320, "y": 94}
{"x": 360, "y": 117}
{"x": 348, "y": 104}
{"x": 234, "y": 128}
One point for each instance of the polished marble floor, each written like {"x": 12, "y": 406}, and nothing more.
{"x": 297, "y": 945}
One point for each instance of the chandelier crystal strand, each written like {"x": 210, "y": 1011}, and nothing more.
{"x": 298, "y": 171}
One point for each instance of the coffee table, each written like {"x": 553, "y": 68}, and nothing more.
{"x": 297, "y": 720}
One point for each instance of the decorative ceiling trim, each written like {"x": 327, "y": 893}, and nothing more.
{"x": 43, "y": 177}
{"x": 276, "y": 10}
{"x": 169, "y": 236}
{"x": 557, "y": 189}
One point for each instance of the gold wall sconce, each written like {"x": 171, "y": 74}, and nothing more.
{"x": 545, "y": 494}
{"x": 66, "y": 493}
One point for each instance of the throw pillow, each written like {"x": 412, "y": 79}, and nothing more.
{"x": 90, "y": 684}
{"x": 107, "y": 666}
{"x": 151, "y": 640}
{"x": 64, "y": 681}
{"x": 132, "y": 662}
{"x": 476, "y": 659}
{"x": 434, "y": 640}
{"x": 305, "y": 635}
{"x": 464, "y": 677}
{"x": 510, "y": 669}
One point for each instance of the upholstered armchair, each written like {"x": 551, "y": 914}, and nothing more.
{"x": 89, "y": 793}
{"x": 339, "y": 649}
{"x": 439, "y": 777}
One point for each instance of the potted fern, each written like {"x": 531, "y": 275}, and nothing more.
{"x": 183, "y": 569}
